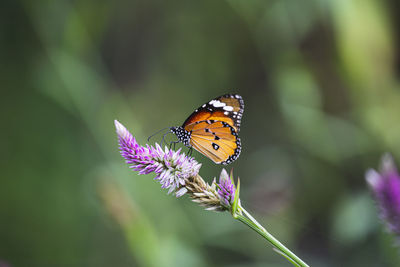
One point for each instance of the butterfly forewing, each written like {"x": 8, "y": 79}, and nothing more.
{"x": 227, "y": 108}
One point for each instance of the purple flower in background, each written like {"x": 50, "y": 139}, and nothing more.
{"x": 386, "y": 189}
{"x": 226, "y": 189}
{"x": 172, "y": 168}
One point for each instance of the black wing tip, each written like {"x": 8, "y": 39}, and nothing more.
{"x": 236, "y": 96}
{"x": 237, "y": 118}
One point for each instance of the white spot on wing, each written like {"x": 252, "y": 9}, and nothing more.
{"x": 217, "y": 103}
{"x": 228, "y": 108}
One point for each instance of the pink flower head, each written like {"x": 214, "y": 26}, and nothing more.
{"x": 172, "y": 169}
{"x": 226, "y": 189}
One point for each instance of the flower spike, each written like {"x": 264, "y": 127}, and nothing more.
{"x": 172, "y": 169}
{"x": 226, "y": 189}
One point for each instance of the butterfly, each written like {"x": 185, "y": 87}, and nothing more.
{"x": 213, "y": 129}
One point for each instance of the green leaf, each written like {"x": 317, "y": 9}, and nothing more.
{"x": 235, "y": 204}
{"x": 231, "y": 175}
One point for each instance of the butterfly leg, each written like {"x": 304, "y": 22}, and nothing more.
{"x": 163, "y": 139}
{"x": 173, "y": 144}
{"x": 190, "y": 151}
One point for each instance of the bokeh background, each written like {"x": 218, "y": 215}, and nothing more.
{"x": 320, "y": 84}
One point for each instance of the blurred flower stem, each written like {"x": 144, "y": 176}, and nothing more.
{"x": 248, "y": 220}
{"x": 179, "y": 174}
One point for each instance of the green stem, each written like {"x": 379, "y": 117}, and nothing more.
{"x": 253, "y": 224}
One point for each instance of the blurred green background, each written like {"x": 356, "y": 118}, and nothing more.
{"x": 320, "y": 84}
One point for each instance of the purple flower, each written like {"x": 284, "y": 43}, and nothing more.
{"x": 386, "y": 189}
{"x": 172, "y": 168}
{"x": 226, "y": 189}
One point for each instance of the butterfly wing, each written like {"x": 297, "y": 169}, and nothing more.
{"x": 216, "y": 140}
{"x": 227, "y": 108}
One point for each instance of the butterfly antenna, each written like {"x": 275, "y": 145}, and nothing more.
{"x": 148, "y": 139}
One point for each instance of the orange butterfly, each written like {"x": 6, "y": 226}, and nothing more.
{"x": 213, "y": 128}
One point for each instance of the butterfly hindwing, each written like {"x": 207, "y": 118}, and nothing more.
{"x": 216, "y": 140}
{"x": 227, "y": 108}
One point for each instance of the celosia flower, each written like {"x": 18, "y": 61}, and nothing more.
{"x": 386, "y": 189}
{"x": 176, "y": 172}
{"x": 172, "y": 168}
{"x": 179, "y": 173}
{"x": 226, "y": 189}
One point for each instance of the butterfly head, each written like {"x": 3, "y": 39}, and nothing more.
{"x": 182, "y": 134}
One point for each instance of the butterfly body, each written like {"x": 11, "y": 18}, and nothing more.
{"x": 182, "y": 134}
{"x": 213, "y": 128}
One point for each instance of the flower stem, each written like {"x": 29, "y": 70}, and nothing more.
{"x": 281, "y": 249}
